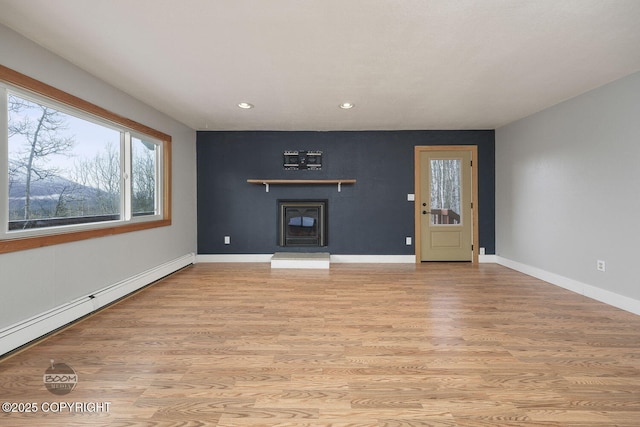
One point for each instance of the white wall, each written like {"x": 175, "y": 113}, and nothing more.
{"x": 37, "y": 280}
{"x": 568, "y": 190}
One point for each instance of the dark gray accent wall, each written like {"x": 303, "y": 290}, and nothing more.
{"x": 371, "y": 217}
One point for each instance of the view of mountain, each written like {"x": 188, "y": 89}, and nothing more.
{"x": 55, "y": 196}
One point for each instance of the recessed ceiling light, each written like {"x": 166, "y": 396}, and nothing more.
{"x": 346, "y": 105}
{"x": 245, "y": 105}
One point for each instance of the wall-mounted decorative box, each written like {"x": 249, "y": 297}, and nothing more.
{"x": 297, "y": 160}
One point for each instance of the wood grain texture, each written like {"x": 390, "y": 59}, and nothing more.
{"x": 451, "y": 344}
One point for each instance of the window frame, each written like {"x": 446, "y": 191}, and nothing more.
{"x": 63, "y": 234}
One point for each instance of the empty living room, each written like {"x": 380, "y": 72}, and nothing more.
{"x": 323, "y": 213}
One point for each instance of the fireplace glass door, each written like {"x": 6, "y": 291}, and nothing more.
{"x": 302, "y": 223}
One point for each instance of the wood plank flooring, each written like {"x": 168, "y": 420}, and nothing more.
{"x": 236, "y": 345}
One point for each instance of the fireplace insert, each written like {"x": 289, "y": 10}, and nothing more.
{"x": 302, "y": 223}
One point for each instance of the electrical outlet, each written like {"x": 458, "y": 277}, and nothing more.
{"x": 411, "y": 197}
{"x": 227, "y": 240}
{"x": 407, "y": 241}
{"x": 601, "y": 265}
{"x": 481, "y": 251}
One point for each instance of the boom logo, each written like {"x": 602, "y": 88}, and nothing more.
{"x": 60, "y": 378}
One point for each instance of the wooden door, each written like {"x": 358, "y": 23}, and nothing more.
{"x": 445, "y": 203}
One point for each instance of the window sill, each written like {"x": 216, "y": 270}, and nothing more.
{"x": 24, "y": 243}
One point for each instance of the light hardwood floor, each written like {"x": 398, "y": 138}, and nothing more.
{"x": 449, "y": 344}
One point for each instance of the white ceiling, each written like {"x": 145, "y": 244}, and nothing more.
{"x": 406, "y": 64}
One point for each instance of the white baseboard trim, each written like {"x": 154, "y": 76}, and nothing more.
{"x": 364, "y": 259}
{"x": 336, "y": 258}
{"x": 487, "y": 259}
{"x": 234, "y": 258}
{"x": 373, "y": 259}
{"x": 30, "y": 329}
{"x": 616, "y": 300}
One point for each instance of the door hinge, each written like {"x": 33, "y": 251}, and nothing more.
{"x": 471, "y": 163}
{"x": 471, "y": 248}
{"x": 471, "y": 205}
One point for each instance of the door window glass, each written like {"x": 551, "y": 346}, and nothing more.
{"x": 446, "y": 191}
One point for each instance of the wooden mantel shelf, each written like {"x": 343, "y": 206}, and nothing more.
{"x": 268, "y": 182}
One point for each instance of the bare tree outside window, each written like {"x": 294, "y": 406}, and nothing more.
{"x": 100, "y": 173}
{"x": 62, "y": 169}
{"x": 144, "y": 177}
{"x": 75, "y": 170}
{"x": 446, "y": 190}
{"x": 40, "y": 132}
